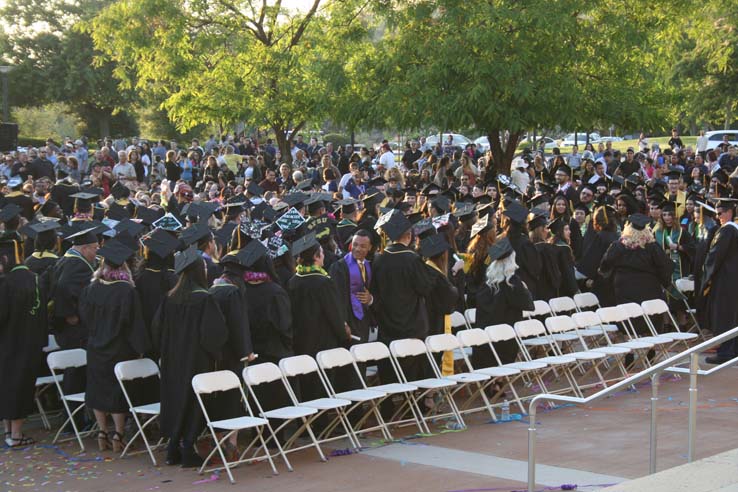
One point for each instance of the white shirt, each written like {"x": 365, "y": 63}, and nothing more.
{"x": 127, "y": 170}
{"x": 388, "y": 160}
{"x": 701, "y": 143}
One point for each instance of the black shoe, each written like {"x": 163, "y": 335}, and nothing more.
{"x": 190, "y": 458}
{"x": 174, "y": 455}
{"x": 715, "y": 359}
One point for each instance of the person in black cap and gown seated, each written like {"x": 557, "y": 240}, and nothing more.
{"x": 189, "y": 333}
{"x": 110, "y": 308}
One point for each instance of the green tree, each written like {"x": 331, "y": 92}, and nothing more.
{"x": 220, "y": 62}
{"x": 53, "y": 62}
{"x": 505, "y": 67}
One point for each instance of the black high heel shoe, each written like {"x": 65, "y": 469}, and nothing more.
{"x": 174, "y": 454}
{"x": 103, "y": 442}
{"x": 118, "y": 442}
{"x": 190, "y": 458}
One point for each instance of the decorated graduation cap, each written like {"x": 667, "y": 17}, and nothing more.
{"x": 84, "y": 236}
{"x": 168, "y": 222}
{"x": 9, "y": 212}
{"x": 276, "y": 245}
{"x": 186, "y": 258}
{"x": 290, "y": 220}
{"x": 481, "y": 226}
{"x": 500, "y": 250}
{"x": 303, "y": 244}
{"x": 433, "y": 246}
{"x": 161, "y": 243}
{"x": 423, "y": 228}
{"x": 465, "y": 211}
{"x": 639, "y": 221}
{"x": 195, "y": 233}
{"x": 115, "y": 252}
{"x": 516, "y": 212}
{"x": 394, "y": 224}
{"x": 246, "y": 256}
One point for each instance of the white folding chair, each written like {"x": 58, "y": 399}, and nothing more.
{"x": 377, "y": 351}
{"x": 59, "y": 361}
{"x": 341, "y": 358}
{"x": 615, "y": 316}
{"x": 481, "y": 381}
{"x": 471, "y": 316}
{"x": 686, "y": 287}
{"x": 302, "y": 365}
{"x": 412, "y": 347}
{"x": 562, "y": 305}
{"x": 43, "y": 383}
{"x": 540, "y": 308}
{"x": 634, "y": 312}
{"x": 139, "y": 369}
{"x": 586, "y": 301}
{"x": 503, "y": 333}
{"x": 588, "y": 323}
{"x": 268, "y": 372}
{"x": 458, "y": 321}
{"x": 532, "y": 328}
{"x": 658, "y": 307}
{"x": 213, "y": 382}
{"x": 561, "y": 329}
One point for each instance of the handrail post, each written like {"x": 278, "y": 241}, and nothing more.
{"x": 654, "y": 410}
{"x": 532, "y": 446}
{"x": 694, "y": 366}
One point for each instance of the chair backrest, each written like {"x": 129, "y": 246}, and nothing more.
{"x": 530, "y": 328}
{"x": 211, "y": 382}
{"x": 586, "y": 300}
{"x": 64, "y": 359}
{"x": 442, "y": 342}
{"x": 540, "y": 308}
{"x": 586, "y": 319}
{"x": 611, "y": 314}
{"x": 558, "y": 324}
{"x": 562, "y": 305}
{"x": 684, "y": 285}
{"x": 337, "y": 357}
{"x": 631, "y": 309}
{"x": 655, "y": 306}
{"x": 298, "y": 365}
{"x": 457, "y": 319}
{"x": 407, "y": 347}
{"x": 471, "y": 315}
{"x": 266, "y": 372}
{"x": 51, "y": 345}
{"x": 366, "y": 352}
{"x": 500, "y": 333}
{"x": 136, "y": 369}
{"x": 473, "y": 337}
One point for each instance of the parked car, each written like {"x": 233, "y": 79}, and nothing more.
{"x": 482, "y": 143}
{"x": 611, "y": 139}
{"x": 715, "y": 138}
{"x": 581, "y": 138}
{"x": 458, "y": 139}
{"x": 548, "y": 143}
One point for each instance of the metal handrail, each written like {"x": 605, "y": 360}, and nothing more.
{"x": 653, "y": 372}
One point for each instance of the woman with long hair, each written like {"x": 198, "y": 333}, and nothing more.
{"x": 596, "y": 242}
{"x": 138, "y": 165}
{"x": 110, "y": 308}
{"x": 483, "y": 235}
{"x": 550, "y": 279}
{"x": 189, "y": 332}
{"x": 561, "y": 239}
{"x": 560, "y": 209}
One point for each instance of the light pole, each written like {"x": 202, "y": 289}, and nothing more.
{"x": 5, "y": 70}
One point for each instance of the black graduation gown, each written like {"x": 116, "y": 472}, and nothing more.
{"x": 23, "y": 201}
{"x": 112, "y": 313}
{"x": 637, "y": 275}
{"x": 548, "y": 282}
{"x": 152, "y": 285}
{"x": 189, "y": 336}
{"x": 61, "y": 194}
{"x": 42, "y": 264}
{"x": 505, "y": 306}
{"x": 400, "y": 283}
{"x": 23, "y": 333}
{"x": 441, "y": 301}
{"x": 344, "y": 230}
{"x": 568, "y": 285}
{"x": 530, "y": 267}
{"x": 719, "y": 278}
{"x": 71, "y": 274}
{"x": 700, "y": 255}
{"x": 270, "y": 321}
{"x": 594, "y": 249}
{"x": 214, "y": 269}
{"x": 339, "y": 273}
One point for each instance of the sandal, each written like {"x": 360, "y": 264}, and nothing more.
{"x": 8, "y": 440}
{"x": 103, "y": 442}
{"x": 118, "y": 442}
{"x": 22, "y": 442}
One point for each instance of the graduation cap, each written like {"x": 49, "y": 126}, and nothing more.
{"x": 168, "y": 222}
{"x": 276, "y": 246}
{"x": 668, "y": 207}
{"x": 451, "y": 193}
{"x": 430, "y": 189}
{"x": 303, "y": 244}
{"x": 235, "y": 202}
{"x": 721, "y": 175}
{"x": 253, "y": 228}
{"x": 83, "y": 199}
{"x": 465, "y": 211}
{"x": 537, "y": 218}
{"x": 725, "y": 203}
{"x": 195, "y": 233}
{"x": 254, "y": 189}
{"x": 84, "y": 236}
{"x": 118, "y": 212}
{"x": 433, "y": 246}
{"x": 290, "y": 220}
{"x": 34, "y": 229}
{"x": 500, "y": 249}
{"x": 563, "y": 168}
{"x": 543, "y": 187}
{"x": 538, "y": 199}
{"x": 148, "y": 215}
{"x": 394, "y": 224}
{"x": 706, "y": 209}
{"x": 377, "y": 181}
{"x": 132, "y": 227}
{"x": 442, "y": 203}
{"x": 443, "y": 220}
{"x": 599, "y": 182}
{"x": 119, "y": 190}
{"x": 633, "y": 179}
{"x": 223, "y": 235}
{"x": 516, "y": 212}
{"x": 410, "y": 191}
{"x": 347, "y": 205}
{"x": 184, "y": 259}
{"x": 115, "y": 253}
{"x": 246, "y": 256}
{"x": 315, "y": 202}
{"x": 161, "y": 243}
{"x": 9, "y": 211}
{"x": 639, "y": 221}
{"x": 674, "y": 173}
{"x": 423, "y": 228}
{"x": 296, "y": 199}
{"x": 127, "y": 239}
{"x": 481, "y": 226}
{"x": 15, "y": 182}
{"x": 415, "y": 217}
{"x": 557, "y": 225}
{"x": 305, "y": 185}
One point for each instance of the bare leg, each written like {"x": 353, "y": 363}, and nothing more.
{"x": 16, "y": 428}
{"x": 119, "y": 419}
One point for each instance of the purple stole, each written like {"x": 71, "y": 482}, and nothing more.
{"x": 356, "y": 283}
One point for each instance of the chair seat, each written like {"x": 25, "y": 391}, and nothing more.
{"x": 394, "y": 388}
{"x": 44, "y": 380}
{"x": 433, "y": 383}
{"x": 289, "y": 413}
{"x": 536, "y": 342}
{"x": 468, "y": 377}
{"x": 565, "y": 337}
{"x": 557, "y": 360}
{"x": 150, "y": 409}
{"x": 660, "y": 340}
{"x": 677, "y": 335}
{"x": 612, "y": 350}
{"x": 458, "y": 355}
{"x": 590, "y": 332}
{"x": 326, "y": 403}
{"x": 526, "y": 366}
{"x": 587, "y": 355}
{"x": 635, "y": 345}
{"x": 238, "y": 423}
{"x": 79, "y": 397}
{"x": 497, "y": 372}
{"x": 692, "y": 311}
{"x": 361, "y": 395}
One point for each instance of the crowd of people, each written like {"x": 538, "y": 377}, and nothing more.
{"x": 213, "y": 255}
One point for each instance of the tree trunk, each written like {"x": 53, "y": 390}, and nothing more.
{"x": 503, "y": 155}
{"x": 283, "y": 144}
{"x": 728, "y": 115}
{"x": 103, "y": 124}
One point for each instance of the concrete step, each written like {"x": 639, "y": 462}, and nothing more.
{"x": 718, "y": 473}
